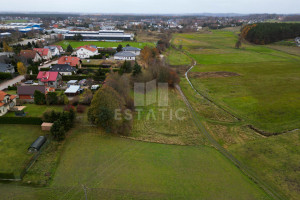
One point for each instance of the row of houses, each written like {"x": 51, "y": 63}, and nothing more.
{"x": 39, "y": 54}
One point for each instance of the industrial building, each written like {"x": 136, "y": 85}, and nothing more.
{"x": 22, "y": 27}
{"x": 101, "y": 35}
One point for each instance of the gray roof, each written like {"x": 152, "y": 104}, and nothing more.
{"x": 30, "y": 89}
{"x": 62, "y": 68}
{"x": 129, "y": 48}
{"x": 73, "y": 89}
{"x": 4, "y": 67}
{"x": 125, "y": 54}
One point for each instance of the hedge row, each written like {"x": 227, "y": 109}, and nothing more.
{"x": 45, "y": 69}
{"x": 7, "y": 176}
{"x": 4, "y": 76}
{"x": 76, "y": 77}
{"x": 21, "y": 120}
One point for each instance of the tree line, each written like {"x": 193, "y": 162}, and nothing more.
{"x": 266, "y": 33}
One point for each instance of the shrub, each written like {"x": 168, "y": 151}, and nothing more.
{"x": 52, "y": 98}
{"x": 5, "y": 76}
{"x": 39, "y": 98}
{"x": 80, "y": 108}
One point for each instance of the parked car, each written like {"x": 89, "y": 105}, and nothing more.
{"x": 29, "y": 82}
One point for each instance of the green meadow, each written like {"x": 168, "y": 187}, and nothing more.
{"x": 265, "y": 91}
{"x": 76, "y": 44}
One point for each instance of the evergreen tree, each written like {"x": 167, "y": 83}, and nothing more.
{"x": 136, "y": 69}
{"x": 119, "y": 48}
{"x": 69, "y": 49}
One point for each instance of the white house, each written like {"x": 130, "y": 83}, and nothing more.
{"x": 54, "y": 50}
{"x": 86, "y": 52}
{"x": 134, "y": 50}
{"x": 297, "y": 40}
{"x": 124, "y": 55}
{"x": 7, "y": 102}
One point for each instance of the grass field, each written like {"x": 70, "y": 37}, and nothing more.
{"x": 165, "y": 127}
{"x": 14, "y": 142}
{"x": 177, "y": 58}
{"x": 76, "y": 44}
{"x": 267, "y": 80}
{"x": 113, "y": 166}
{"x": 33, "y": 110}
{"x": 263, "y": 92}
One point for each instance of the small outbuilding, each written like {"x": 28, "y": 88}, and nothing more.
{"x": 72, "y": 82}
{"x": 46, "y": 126}
{"x": 37, "y": 144}
{"x": 73, "y": 90}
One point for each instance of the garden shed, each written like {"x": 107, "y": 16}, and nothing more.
{"x": 46, "y": 126}
{"x": 37, "y": 144}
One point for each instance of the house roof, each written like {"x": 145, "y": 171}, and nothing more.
{"x": 125, "y": 54}
{"x": 87, "y": 47}
{"x": 47, "y": 76}
{"x": 62, "y": 68}
{"x": 4, "y": 67}
{"x": 57, "y": 46}
{"x": 72, "y": 81}
{"x": 73, "y": 61}
{"x": 42, "y": 51}
{"x": 30, "y": 89}
{"x": 129, "y": 48}
{"x": 4, "y": 94}
{"x": 28, "y": 54}
{"x": 73, "y": 89}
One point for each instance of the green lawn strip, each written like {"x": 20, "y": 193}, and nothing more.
{"x": 14, "y": 142}
{"x": 33, "y": 110}
{"x": 175, "y": 57}
{"x": 76, "y": 44}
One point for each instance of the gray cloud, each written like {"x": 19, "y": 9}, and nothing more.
{"x": 155, "y": 6}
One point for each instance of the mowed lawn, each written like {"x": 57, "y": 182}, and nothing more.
{"x": 76, "y": 44}
{"x": 113, "y": 167}
{"x": 266, "y": 91}
{"x": 33, "y": 110}
{"x": 14, "y": 142}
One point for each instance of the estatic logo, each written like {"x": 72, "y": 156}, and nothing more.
{"x": 150, "y": 93}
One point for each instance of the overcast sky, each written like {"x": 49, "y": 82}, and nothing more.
{"x": 154, "y": 6}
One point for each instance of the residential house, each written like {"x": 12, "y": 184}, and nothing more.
{"x": 7, "y": 68}
{"x": 44, "y": 52}
{"x": 50, "y": 79}
{"x": 297, "y": 40}
{"x": 134, "y": 50}
{"x": 7, "y": 102}
{"x": 31, "y": 54}
{"x": 86, "y": 52}
{"x": 54, "y": 50}
{"x": 63, "y": 69}
{"x": 124, "y": 55}
{"x": 69, "y": 60}
{"x": 26, "y": 92}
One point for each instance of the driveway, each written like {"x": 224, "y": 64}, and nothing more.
{"x": 7, "y": 83}
{"x": 48, "y": 64}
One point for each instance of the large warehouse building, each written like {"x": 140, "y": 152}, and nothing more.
{"x": 22, "y": 27}
{"x": 102, "y": 35}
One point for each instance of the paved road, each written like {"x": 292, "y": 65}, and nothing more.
{"x": 5, "y": 84}
{"x": 49, "y": 64}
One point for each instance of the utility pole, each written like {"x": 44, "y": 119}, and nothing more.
{"x": 85, "y": 193}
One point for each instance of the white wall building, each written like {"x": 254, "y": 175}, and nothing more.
{"x": 124, "y": 55}
{"x": 85, "y": 52}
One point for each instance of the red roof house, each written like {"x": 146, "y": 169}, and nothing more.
{"x": 44, "y": 52}
{"x": 69, "y": 60}
{"x": 48, "y": 78}
{"x": 7, "y": 102}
